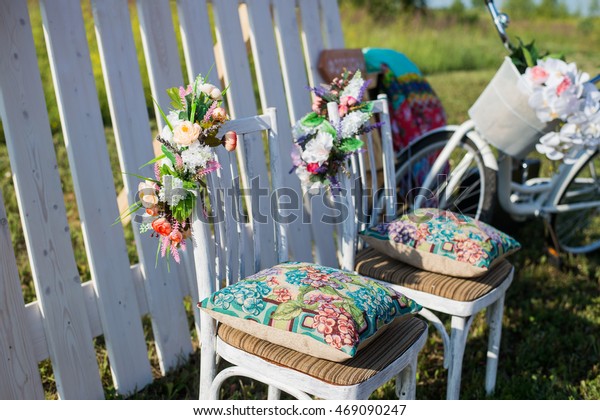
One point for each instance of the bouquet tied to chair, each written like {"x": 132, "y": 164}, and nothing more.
{"x": 321, "y": 150}
{"x": 187, "y": 142}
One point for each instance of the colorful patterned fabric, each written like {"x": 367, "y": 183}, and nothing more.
{"x": 318, "y": 310}
{"x": 415, "y": 107}
{"x": 443, "y": 242}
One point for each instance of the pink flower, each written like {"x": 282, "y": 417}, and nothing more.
{"x": 336, "y": 326}
{"x": 283, "y": 295}
{"x": 348, "y": 100}
{"x": 317, "y": 103}
{"x": 219, "y": 114}
{"x": 176, "y": 236}
{"x": 313, "y": 168}
{"x": 564, "y": 85}
{"x": 153, "y": 211}
{"x": 230, "y": 141}
{"x": 183, "y": 92}
{"x": 469, "y": 251}
{"x": 342, "y": 110}
{"x": 162, "y": 226}
{"x": 539, "y": 75}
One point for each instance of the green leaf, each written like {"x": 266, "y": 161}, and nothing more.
{"x": 163, "y": 114}
{"x": 367, "y": 106}
{"x": 356, "y": 313}
{"x": 528, "y": 58}
{"x": 287, "y": 310}
{"x": 312, "y": 120}
{"x": 143, "y": 177}
{"x": 169, "y": 154}
{"x": 328, "y": 290}
{"x": 189, "y": 185}
{"x": 130, "y": 210}
{"x": 212, "y": 141}
{"x": 175, "y": 98}
{"x": 327, "y": 127}
{"x": 184, "y": 208}
{"x": 351, "y": 144}
{"x": 156, "y": 159}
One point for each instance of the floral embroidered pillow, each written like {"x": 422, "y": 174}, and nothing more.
{"x": 320, "y": 311}
{"x": 442, "y": 242}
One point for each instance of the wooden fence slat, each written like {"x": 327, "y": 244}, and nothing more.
{"x": 198, "y": 50}
{"x": 92, "y": 178}
{"x": 332, "y": 24}
{"x": 295, "y": 80}
{"x": 241, "y": 98}
{"x": 19, "y": 375}
{"x": 38, "y": 186}
{"x": 312, "y": 39}
{"x": 132, "y": 133}
{"x": 34, "y": 321}
{"x": 197, "y": 39}
{"x": 291, "y": 57}
{"x": 164, "y": 71}
{"x": 160, "y": 50}
{"x": 272, "y": 93}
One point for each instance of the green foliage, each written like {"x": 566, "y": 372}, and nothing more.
{"x": 457, "y": 7}
{"x": 175, "y": 98}
{"x": 525, "y": 55}
{"x": 388, "y": 9}
{"x": 520, "y": 8}
{"x": 350, "y": 145}
{"x": 552, "y": 9}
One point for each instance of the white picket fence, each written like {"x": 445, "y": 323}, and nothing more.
{"x": 285, "y": 38}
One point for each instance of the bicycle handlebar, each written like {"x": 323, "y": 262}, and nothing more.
{"x": 501, "y": 22}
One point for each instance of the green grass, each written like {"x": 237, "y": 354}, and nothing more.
{"x": 550, "y": 344}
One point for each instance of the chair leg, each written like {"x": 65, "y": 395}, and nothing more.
{"x": 458, "y": 339}
{"x": 495, "y": 313}
{"x": 208, "y": 357}
{"x": 274, "y": 393}
{"x": 406, "y": 381}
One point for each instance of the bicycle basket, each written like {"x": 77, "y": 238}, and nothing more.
{"x": 503, "y": 116}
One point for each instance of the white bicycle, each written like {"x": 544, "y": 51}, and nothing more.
{"x": 456, "y": 168}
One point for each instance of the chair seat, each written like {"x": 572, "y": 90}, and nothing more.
{"x": 376, "y": 265}
{"x": 398, "y": 337}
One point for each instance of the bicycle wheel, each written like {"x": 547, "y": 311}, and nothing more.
{"x": 578, "y": 230}
{"x": 464, "y": 185}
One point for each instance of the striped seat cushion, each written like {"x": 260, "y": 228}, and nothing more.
{"x": 397, "y": 338}
{"x": 376, "y": 265}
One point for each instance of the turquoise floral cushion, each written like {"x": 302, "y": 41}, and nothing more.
{"x": 321, "y": 311}
{"x": 442, "y": 241}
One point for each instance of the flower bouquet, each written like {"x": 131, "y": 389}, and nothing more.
{"x": 187, "y": 142}
{"x": 320, "y": 149}
{"x": 537, "y": 100}
{"x": 559, "y": 93}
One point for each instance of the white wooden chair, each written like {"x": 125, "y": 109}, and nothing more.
{"x": 393, "y": 354}
{"x": 460, "y": 298}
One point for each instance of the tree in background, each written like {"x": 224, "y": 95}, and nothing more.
{"x": 552, "y": 9}
{"x": 520, "y": 8}
{"x": 457, "y": 7}
{"x": 388, "y": 9}
{"x": 594, "y": 8}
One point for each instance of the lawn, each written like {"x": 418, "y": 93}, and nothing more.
{"x": 551, "y": 336}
